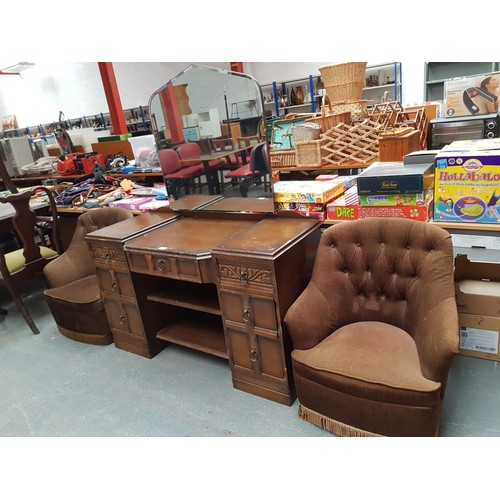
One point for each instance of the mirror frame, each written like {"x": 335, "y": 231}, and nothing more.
{"x": 259, "y": 97}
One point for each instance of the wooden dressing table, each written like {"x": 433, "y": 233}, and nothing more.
{"x": 209, "y": 280}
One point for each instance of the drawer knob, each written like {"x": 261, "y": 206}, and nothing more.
{"x": 244, "y": 277}
{"x": 161, "y": 265}
{"x": 114, "y": 286}
{"x": 246, "y": 315}
{"x": 254, "y": 354}
{"x": 123, "y": 319}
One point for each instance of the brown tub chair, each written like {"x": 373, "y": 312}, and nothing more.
{"x": 376, "y": 329}
{"x": 72, "y": 291}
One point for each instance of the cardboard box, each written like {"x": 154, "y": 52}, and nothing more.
{"x": 293, "y": 206}
{"x": 466, "y": 186}
{"x": 308, "y": 191}
{"x": 395, "y": 200}
{"x": 477, "y": 286}
{"x": 416, "y": 212}
{"x": 321, "y": 216}
{"x": 395, "y": 178}
{"x": 153, "y": 205}
{"x": 344, "y": 207}
{"x": 471, "y": 96}
{"x": 132, "y": 203}
{"x": 473, "y": 145}
{"x": 342, "y": 212}
{"x": 479, "y": 336}
{"x": 420, "y": 157}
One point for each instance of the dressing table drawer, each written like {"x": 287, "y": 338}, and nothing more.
{"x": 115, "y": 284}
{"x": 167, "y": 266}
{"x": 247, "y": 277}
{"x": 124, "y": 317}
{"x": 108, "y": 257}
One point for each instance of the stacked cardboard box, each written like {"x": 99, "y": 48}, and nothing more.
{"x": 477, "y": 287}
{"x": 308, "y": 198}
{"x": 391, "y": 189}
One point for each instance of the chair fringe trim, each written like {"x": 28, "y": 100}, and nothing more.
{"x": 330, "y": 425}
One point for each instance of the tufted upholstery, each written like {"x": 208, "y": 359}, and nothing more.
{"x": 73, "y": 293}
{"x": 375, "y": 331}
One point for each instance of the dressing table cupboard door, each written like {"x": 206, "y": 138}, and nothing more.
{"x": 254, "y": 340}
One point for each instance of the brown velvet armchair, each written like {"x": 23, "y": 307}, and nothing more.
{"x": 375, "y": 331}
{"x": 72, "y": 293}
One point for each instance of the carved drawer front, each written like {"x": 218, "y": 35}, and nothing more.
{"x": 249, "y": 312}
{"x": 165, "y": 265}
{"x": 246, "y": 276}
{"x": 106, "y": 257}
{"x": 124, "y": 317}
{"x": 256, "y": 358}
{"x": 115, "y": 283}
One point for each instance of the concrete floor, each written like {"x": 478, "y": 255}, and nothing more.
{"x": 52, "y": 386}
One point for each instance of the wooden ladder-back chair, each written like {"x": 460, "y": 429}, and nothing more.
{"x": 30, "y": 230}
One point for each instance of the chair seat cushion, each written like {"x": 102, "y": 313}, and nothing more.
{"x": 15, "y": 260}
{"x": 369, "y": 360}
{"x": 243, "y": 171}
{"x": 82, "y": 291}
{"x": 187, "y": 172}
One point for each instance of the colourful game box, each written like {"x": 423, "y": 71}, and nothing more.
{"x": 467, "y": 186}
{"x": 395, "y": 178}
{"x": 308, "y": 191}
{"x": 392, "y": 200}
{"x": 417, "y": 212}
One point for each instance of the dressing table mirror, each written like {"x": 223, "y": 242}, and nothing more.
{"x": 221, "y": 112}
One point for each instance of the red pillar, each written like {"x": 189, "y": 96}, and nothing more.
{"x": 113, "y": 98}
{"x": 171, "y": 113}
{"x": 237, "y": 66}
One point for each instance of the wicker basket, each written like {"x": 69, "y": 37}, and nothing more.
{"x": 306, "y": 132}
{"x": 308, "y": 153}
{"x": 330, "y": 119}
{"x": 358, "y": 109}
{"x": 343, "y": 73}
{"x": 350, "y": 91}
{"x": 282, "y": 158}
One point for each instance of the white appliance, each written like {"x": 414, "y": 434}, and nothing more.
{"x": 39, "y": 148}
{"x": 16, "y": 153}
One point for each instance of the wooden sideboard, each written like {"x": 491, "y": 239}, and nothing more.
{"x": 209, "y": 280}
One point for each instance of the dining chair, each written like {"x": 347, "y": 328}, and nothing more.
{"x": 39, "y": 241}
{"x": 254, "y": 172}
{"x": 176, "y": 174}
{"x": 211, "y": 168}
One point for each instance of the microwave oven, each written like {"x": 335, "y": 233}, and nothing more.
{"x": 443, "y": 131}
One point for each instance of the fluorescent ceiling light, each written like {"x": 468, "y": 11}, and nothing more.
{"x": 17, "y": 68}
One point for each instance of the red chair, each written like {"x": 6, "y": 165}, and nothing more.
{"x": 175, "y": 173}
{"x": 253, "y": 172}
{"x": 210, "y": 168}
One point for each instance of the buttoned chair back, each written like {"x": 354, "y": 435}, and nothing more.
{"x": 376, "y": 329}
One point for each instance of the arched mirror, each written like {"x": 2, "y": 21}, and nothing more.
{"x": 214, "y": 118}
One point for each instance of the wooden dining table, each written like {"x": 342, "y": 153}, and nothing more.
{"x": 214, "y": 186}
